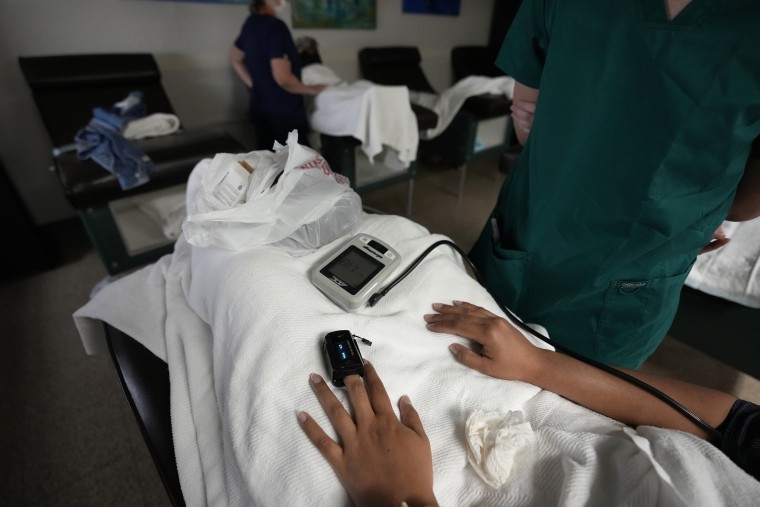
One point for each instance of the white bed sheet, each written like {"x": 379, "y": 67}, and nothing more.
{"x": 375, "y": 115}
{"x": 240, "y": 332}
{"x": 447, "y": 104}
{"x": 733, "y": 271}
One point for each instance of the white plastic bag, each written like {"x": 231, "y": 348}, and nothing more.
{"x": 308, "y": 207}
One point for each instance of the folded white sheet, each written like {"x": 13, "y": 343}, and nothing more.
{"x": 166, "y": 210}
{"x": 375, "y": 115}
{"x": 241, "y": 331}
{"x": 447, "y": 104}
{"x": 733, "y": 271}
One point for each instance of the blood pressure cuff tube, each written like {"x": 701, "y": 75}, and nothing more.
{"x": 741, "y": 436}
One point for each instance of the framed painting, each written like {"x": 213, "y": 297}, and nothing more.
{"x": 350, "y": 14}
{"x": 443, "y": 7}
{"x": 242, "y": 2}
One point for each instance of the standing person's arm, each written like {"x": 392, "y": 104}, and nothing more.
{"x": 506, "y": 354}
{"x": 524, "y": 100}
{"x": 237, "y": 58}
{"x": 282, "y": 71}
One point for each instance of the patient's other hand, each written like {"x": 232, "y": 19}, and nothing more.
{"x": 505, "y": 353}
{"x": 381, "y": 460}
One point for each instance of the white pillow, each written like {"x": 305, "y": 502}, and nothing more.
{"x": 318, "y": 74}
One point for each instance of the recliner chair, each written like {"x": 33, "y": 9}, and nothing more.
{"x": 480, "y": 61}
{"x": 481, "y": 127}
{"x": 144, "y": 379}
{"x": 66, "y": 89}
{"x": 341, "y": 153}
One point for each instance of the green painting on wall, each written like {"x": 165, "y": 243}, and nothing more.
{"x": 350, "y": 14}
{"x": 216, "y": 1}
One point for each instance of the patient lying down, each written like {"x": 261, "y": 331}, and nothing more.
{"x": 382, "y": 460}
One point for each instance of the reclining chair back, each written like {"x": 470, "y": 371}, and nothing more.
{"x": 394, "y": 66}
{"x": 473, "y": 61}
{"x": 67, "y": 88}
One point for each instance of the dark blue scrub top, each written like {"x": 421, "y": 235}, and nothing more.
{"x": 263, "y": 38}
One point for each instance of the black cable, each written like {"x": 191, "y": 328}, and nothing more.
{"x": 557, "y": 346}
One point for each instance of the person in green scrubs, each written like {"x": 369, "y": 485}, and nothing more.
{"x": 638, "y": 120}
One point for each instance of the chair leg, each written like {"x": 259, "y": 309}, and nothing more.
{"x": 462, "y": 174}
{"x": 409, "y": 193}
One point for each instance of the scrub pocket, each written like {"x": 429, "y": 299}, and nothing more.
{"x": 635, "y": 318}
{"x": 504, "y": 271}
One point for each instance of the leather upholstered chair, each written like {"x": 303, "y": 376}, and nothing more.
{"x": 481, "y": 127}
{"x": 145, "y": 381}
{"x": 341, "y": 152}
{"x": 66, "y": 89}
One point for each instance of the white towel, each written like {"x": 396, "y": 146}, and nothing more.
{"x": 732, "y": 272}
{"x": 241, "y": 331}
{"x": 319, "y": 74}
{"x": 375, "y": 115}
{"x": 447, "y": 104}
{"x": 153, "y": 125}
{"x": 166, "y": 210}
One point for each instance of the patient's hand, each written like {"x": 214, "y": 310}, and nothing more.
{"x": 380, "y": 460}
{"x": 505, "y": 353}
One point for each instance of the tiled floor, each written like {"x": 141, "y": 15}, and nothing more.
{"x": 67, "y": 436}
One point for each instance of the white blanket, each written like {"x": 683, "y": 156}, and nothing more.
{"x": 375, "y": 115}
{"x": 241, "y": 331}
{"x": 447, "y": 104}
{"x": 733, "y": 271}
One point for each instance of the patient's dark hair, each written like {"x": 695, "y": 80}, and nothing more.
{"x": 255, "y": 5}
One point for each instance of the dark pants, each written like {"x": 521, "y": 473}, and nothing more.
{"x": 271, "y": 128}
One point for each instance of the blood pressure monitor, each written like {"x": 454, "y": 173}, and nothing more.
{"x": 350, "y": 275}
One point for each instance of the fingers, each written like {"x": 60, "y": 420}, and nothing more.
{"x": 714, "y": 245}
{"x": 470, "y": 358}
{"x": 326, "y": 445}
{"x": 357, "y": 395}
{"x": 462, "y": 319}
{"x": 378, "y": 396}
{"x": 338, "y": 416}
{"x": 410, "y": 417}
{"x": 522, "y": 114}
{"x": 462, "y": 307}
{"x": 525, "y": 106}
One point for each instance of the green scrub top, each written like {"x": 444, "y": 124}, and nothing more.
{"x": 641, "y": 134}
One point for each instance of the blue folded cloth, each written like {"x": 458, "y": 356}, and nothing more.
{"x": 102, "y": 141}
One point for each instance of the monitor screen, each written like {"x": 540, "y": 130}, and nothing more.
{"x": 354, "y": 268}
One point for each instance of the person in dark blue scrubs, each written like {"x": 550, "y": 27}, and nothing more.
{"x": 265, "y": 58}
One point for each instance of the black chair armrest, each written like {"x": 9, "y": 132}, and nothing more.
{"x": 145, "y": 380}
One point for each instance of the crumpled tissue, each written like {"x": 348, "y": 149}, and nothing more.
{"x": 493, "y": 439}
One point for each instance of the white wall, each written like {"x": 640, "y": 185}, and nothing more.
{"x": 190, "y": 42}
